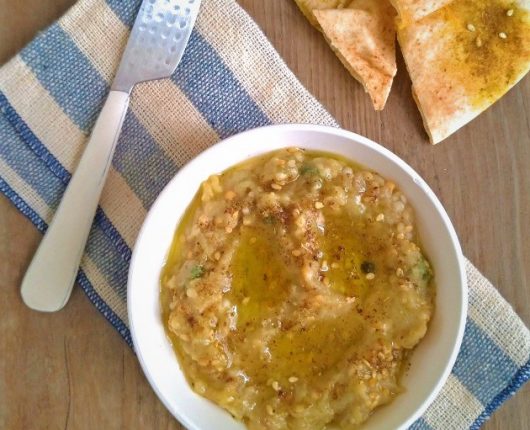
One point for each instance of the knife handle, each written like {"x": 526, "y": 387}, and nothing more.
{"x": 49, "y": 279}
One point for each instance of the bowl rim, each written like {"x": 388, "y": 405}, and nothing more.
{"x": 386, "y": 153}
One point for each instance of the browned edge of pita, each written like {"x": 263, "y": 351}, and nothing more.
{"x": 414, "y": 10}
{"x": 309, "y": 6}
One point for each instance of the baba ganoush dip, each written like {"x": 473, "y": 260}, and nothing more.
{"x": 295, "y": 289}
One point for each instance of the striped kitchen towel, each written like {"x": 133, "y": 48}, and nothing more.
{"x": 230, "y": 79}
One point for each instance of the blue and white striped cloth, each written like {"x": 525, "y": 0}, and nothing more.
{"x": 230, "y": 79}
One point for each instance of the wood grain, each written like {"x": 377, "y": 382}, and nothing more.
{"x": 72, "y": 370}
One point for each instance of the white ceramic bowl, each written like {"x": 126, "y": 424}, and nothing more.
{"x": 432, "y": 360}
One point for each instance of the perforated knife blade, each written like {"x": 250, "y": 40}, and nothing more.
{"x": 157, "y": 41}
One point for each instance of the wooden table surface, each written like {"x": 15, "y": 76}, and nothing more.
{"x": 72, "y": 370}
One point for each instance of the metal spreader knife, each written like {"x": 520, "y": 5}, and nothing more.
{"x": 154, "y": 49}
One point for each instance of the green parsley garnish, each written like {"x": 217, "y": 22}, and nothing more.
{"x": 306, "y": 169}
{"x": 197, "y": 271}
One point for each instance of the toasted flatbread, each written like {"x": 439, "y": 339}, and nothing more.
{"x": 363, "y": 37}
{"x": 414, "y": 10}
{"x": 464, "y": 57}
{"x": 308, "y": 6}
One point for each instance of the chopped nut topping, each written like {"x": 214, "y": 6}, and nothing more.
{"x": 471, "y": 27}
{"x": 370, "y": 276}
{"x": 503, "y": 35}
{"x": 319, "y": 205}
{"x": 191, "y": 293}
{"x": 293, "y": 379}
{"x": 276, "y": 186}
{"x": 230, "y": 195}
{"x": 280, "y": 176}
{"x": 509, "y": 12}
{"x": 380, "y": 217}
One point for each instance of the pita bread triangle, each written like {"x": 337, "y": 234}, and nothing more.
{"x": 308, "y": 6}
{"x": 363, "y": 37}
{"x": 464, "y": 57}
